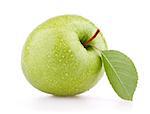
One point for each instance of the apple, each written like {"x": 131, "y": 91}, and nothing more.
{"x": 59, "y": 56}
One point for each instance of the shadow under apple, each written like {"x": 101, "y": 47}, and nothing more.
{"x": 78, "y": 104}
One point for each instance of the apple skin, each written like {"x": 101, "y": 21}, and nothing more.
{"x": 55, "y": 61}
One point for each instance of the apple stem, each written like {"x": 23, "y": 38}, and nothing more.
{"x": 93, "y": 37}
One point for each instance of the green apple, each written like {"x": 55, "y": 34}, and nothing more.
{"x": 58, "y": 57}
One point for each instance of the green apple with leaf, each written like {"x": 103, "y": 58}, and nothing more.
{"x": 67, "y": 55}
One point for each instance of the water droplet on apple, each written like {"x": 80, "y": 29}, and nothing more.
{"x": 66, "y": 74}
{"x": 63, "y": 56}
{"x": 56, "y": 54}
{"x": 59, "y": 60}
{"x": 50, "y": 81}
{"x": 48, "y": 56}
{"x": 29, "y": 71}
{"x": 27, "y": 47}
{"x": 61, "y": 40}
{"x": 69, "y": 50}
{"x": 62, "y": 78}
{"x": 56, "y": 48}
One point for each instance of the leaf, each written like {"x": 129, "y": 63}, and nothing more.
{"x": 121, "y": 73}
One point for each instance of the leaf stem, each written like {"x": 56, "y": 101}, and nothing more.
{"x": 93, "y": 37}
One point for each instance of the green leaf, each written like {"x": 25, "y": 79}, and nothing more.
{"x": 121, "y": 73}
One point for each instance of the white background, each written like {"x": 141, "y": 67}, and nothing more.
{"x": 126, "y": 27}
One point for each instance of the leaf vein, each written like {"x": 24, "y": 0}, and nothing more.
{"x": 116, "y": 74}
